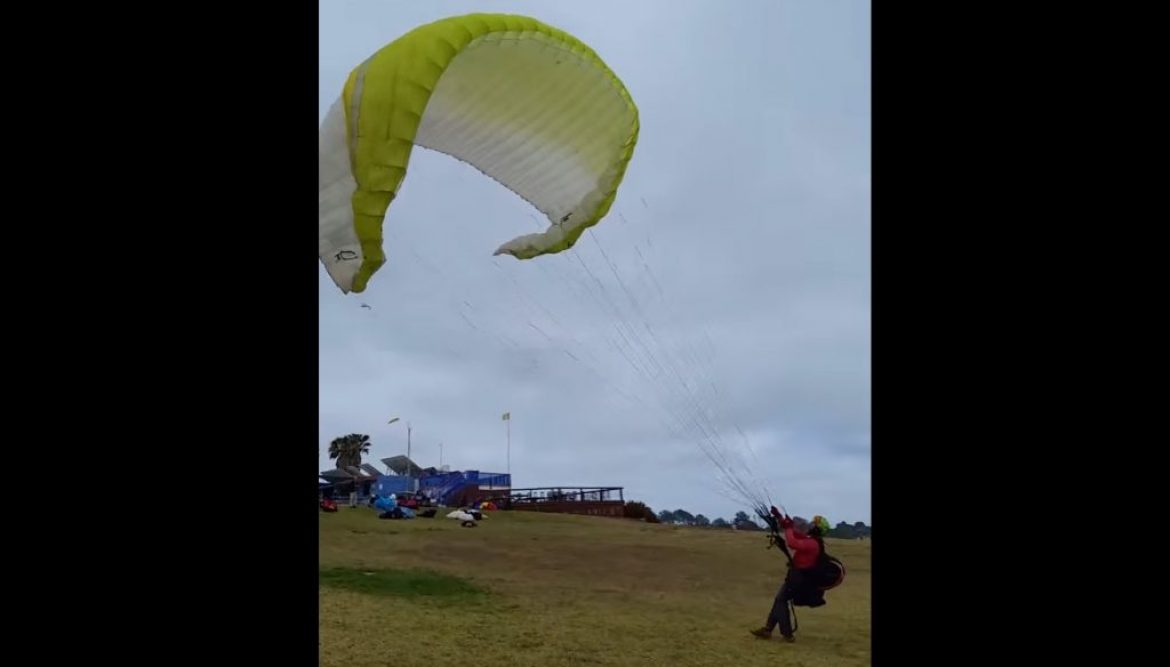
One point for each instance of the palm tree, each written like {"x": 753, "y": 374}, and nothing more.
{"x": 348, "y": 450}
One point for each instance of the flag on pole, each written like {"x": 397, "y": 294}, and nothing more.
{"x": 507, "y": 416}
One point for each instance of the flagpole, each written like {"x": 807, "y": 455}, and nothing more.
{"x": 507, "y": 417}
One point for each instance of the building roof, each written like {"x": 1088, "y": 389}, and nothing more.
{"x": 403, "y": 466}
{"x": 337, "y": 475}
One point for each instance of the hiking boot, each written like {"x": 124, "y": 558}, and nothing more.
{"x": 762, "y": 633}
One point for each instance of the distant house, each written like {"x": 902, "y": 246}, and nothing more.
{"x": 460, "y": 488}
{"x": 342, "y": 482}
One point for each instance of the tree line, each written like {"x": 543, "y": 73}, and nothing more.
{"x": 741, "y": 521}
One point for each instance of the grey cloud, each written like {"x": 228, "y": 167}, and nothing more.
{"x": 747, "y": 198}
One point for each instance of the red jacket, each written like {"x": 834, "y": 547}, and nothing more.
{"x": 805, "y": 549}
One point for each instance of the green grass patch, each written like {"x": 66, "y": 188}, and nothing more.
{"x": 411, "y": 583}
{"x": 571, "y": 590}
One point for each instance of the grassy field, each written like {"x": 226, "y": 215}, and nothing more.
{"x": 548, "y": 590}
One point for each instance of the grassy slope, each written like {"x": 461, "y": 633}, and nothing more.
{"x": 529, "y": 589}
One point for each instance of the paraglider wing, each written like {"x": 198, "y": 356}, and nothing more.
{"x": 525, "y": 103}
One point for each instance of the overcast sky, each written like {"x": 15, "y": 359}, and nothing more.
{"x": 731, "y": 279}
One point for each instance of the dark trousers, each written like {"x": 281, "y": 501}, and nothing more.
{"x": 779, "y": 614}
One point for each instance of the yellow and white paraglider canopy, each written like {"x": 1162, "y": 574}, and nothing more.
{"x": 526, "y": 104}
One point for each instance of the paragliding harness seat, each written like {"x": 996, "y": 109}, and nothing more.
{"x": 826, "y": 575}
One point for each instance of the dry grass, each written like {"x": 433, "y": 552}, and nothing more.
{"x": 549, "y": 590}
